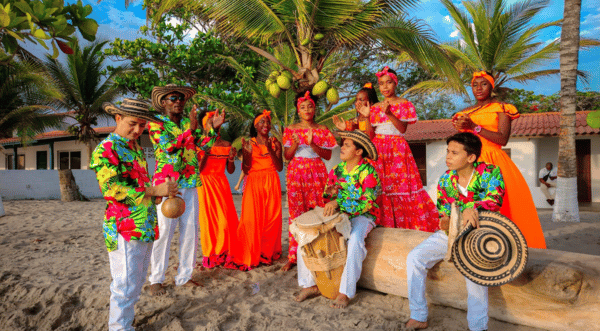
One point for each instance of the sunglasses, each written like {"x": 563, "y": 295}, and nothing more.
{"x": 174, "y": 98}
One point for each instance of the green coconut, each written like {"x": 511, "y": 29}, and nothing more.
{"x": 333, "y": 96}
{"x": 283, "y": 82}
{"x": 320, "y": 88}
{"x": 593, "y": 119}
{"x": 288, "y": 74}
{"x": 319, "y": 36}
{"x": 269, "y": 82}
{"x": 274, "y": 75}
{"x": 274, "y": 90}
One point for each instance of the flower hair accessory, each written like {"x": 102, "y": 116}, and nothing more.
{"x": 265, "y": 113}
{"x": 385, "y": 71}
{"x": 306, "y": 97}
{"x": 207, "y": 117}
{"x": 485, "y": 75}
{"x": 368, "y": 85}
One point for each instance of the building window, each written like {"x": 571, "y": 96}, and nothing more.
{"x": 69, "y": 160}
{"x": 41, "y": 160}
{"x": 20, "y": 162}
{"x": 419, "y": 152}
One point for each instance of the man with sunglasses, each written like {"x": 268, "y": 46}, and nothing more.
{"x": 175, "y": 142}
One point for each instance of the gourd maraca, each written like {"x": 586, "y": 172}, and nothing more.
{"x": 173, "y": 207}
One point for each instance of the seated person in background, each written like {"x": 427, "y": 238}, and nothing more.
{"x": 352, "y": 186}
{"x": 547, "y": 177}
{"x": 474, "y": 186}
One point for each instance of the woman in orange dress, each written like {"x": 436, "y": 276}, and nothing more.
{"x": 259, "y": 231}
{"x": 490, "y": 120}
{"x": 217, "y": 216}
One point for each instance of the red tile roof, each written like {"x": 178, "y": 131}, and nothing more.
{"x": 527, "y": 125}
{"x": 56, "y": 134}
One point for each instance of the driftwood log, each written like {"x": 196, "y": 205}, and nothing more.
{"x": 557, "y": 291}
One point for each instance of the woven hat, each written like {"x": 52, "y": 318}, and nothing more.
{"x": 492, "y": 255}
{"x": 361, "y": 138}
{"x": 132, "y": 107}
{"x": 158, "y": 92}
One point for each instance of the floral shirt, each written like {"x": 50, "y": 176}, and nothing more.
{"x": 357, "y": 189}
{"x": 484, "y": 192}
{"x": 120, "y": 167}
{"x": 175, "y": 151}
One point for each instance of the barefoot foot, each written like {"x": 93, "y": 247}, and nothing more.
{"x": 191, "y": 283}
{"x": 307, "y": 293}
{"x": 340, "y": 302}
{"x": 416, "y": 325}
{"x": 156, "y": 290}
{"x": 288, "y": 266}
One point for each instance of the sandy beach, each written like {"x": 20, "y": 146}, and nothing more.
{"x": 55, "y": 275}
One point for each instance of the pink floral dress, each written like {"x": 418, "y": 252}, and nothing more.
{"x": 306, "y": 176}
{"x": 403, "y": 201}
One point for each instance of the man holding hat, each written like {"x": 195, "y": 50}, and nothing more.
{"x": 175, "y": 142}
{"x": 352, "y": 186}
{"x": 474, "y": 187}
{"x": 130, "y": 224}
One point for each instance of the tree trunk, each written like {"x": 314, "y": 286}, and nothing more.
{"x": 69, "y": 191}
{"x": 2, "y": 213}
{"x": 566, "y": 208}
{"x": 557, "y": 290}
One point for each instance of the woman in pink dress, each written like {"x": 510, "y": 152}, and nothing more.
{"x": 403, "y": 201}
{"x": 305, "y": 144}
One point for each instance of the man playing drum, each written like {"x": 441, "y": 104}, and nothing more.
{"x": 352, "y": 187}
{"x": 473, "y": 186}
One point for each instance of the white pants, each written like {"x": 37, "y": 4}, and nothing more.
{"x": 361, "y": 226}
{"x": 424, "y": 257}
{"x": 546, "y": 190}
{"x": 188, "y": 241}
{"x": 128, "y": 268}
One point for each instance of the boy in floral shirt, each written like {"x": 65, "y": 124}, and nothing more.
{"x": 175, "y": 142}
{"x": 474, "y": 186}
{"x": 130, "y": 224}
{"x": 352, "y": 187}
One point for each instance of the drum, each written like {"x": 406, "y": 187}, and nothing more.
{"x": 322, "y": 241}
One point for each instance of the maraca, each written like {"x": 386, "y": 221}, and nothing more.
{"x": 173, "y": 207}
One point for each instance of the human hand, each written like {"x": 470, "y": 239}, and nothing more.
{"x": 387, "y": 109}
{"x": 217, "y": 120}
{"x": 339, "y": 123}
{"x": 194, "y": 118}
{"x": 246, "y": 146}
{"x": 165, "y": 189}
{"x": 364, "y": 110}
{"x": 309, "y": 137}
{"x": 330, "y": 208}
{"x": 470, "y": 216}
{"x": 296, "y": 139}
{"x": 232, "y": 153}
{"x": 332, "y": 191}
{"x": 444, "y": 223}
{"x": 273, "y": 145}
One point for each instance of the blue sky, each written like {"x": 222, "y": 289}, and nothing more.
{"x": 118, "y": 22}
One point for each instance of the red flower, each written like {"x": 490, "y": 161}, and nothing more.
{"x": 166, "y": 171}
{"x": 117, "y": 210}
{"x": 188, "y": 171}
{"x": 110, "y": 154}
{"x": 369, "y": 182}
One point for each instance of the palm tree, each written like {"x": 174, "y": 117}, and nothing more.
{"x": 501, "y": 40}
{"x": 315, "y": 30}
{"x": 566, "y": 208}
{"x": 82, "y": 80}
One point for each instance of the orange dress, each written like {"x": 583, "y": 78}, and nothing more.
{"x": 218, "y": 219}
{"x": 259, "y": 231}
{"x": 518, "y": 204}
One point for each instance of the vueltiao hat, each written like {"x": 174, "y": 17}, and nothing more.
{"x": 361, "y": 138}
{"x": 494, "y": 254}
{"x": 158, "y": 92}
{"x": 132, "y": 107}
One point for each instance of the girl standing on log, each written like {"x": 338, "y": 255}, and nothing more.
{"x": 259, "y": 230}
{"x": 305, "y": 143}
{"x": 365, "y": 98}
{"x": 403, "y": 201}
{"x": 490, "y": 120}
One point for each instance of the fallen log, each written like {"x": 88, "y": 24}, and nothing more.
{"x": 557, "y": 291}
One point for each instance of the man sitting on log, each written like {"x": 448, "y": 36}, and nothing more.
{"x": 352, "y": 186}
{"x": 473, "y": 186}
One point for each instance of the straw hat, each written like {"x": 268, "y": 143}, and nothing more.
{"x": 361, "y": 138}
{"x": 132, "y": 107}
{"x": 492, "y": 255}
{"x": 158, "y": 92}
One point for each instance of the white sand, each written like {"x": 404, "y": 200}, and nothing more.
{"x": 55, "y": 276}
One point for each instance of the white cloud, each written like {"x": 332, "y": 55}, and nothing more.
{"x": 447, "y": 19}
{"x": 124, "y": 19}
{"x": 454, "y": 34}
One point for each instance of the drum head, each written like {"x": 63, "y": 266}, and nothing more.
{"x": 314, "y": 218}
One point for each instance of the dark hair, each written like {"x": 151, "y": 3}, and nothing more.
{"x": 301, "y": 95}
{"x": 357, "y": 145}
{"x": 371, "y": 94}
{"x": 253, "y": 132}
{"x": 470, "y": 142}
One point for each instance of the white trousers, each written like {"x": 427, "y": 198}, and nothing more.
{"x": 424, "y": 257}
{"x": 546, "y": 190}
{"x": 188, "y": 240}
{"x": 361, "y": 226}
{"x": 128, "y": 268}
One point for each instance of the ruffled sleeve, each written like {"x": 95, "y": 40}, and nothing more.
{"x": 405, "y": 111}
{"x": 324, "y": 139}
{"x": 510, "y": 110}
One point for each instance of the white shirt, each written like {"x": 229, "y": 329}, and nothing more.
{"x": 545, "y": 172}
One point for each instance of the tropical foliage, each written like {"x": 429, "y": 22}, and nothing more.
{"x": 500, "y": 39}
{"x": 85, "y": 87}
{"x": 528, "y": 101}
{"x": 44, "y": 21}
